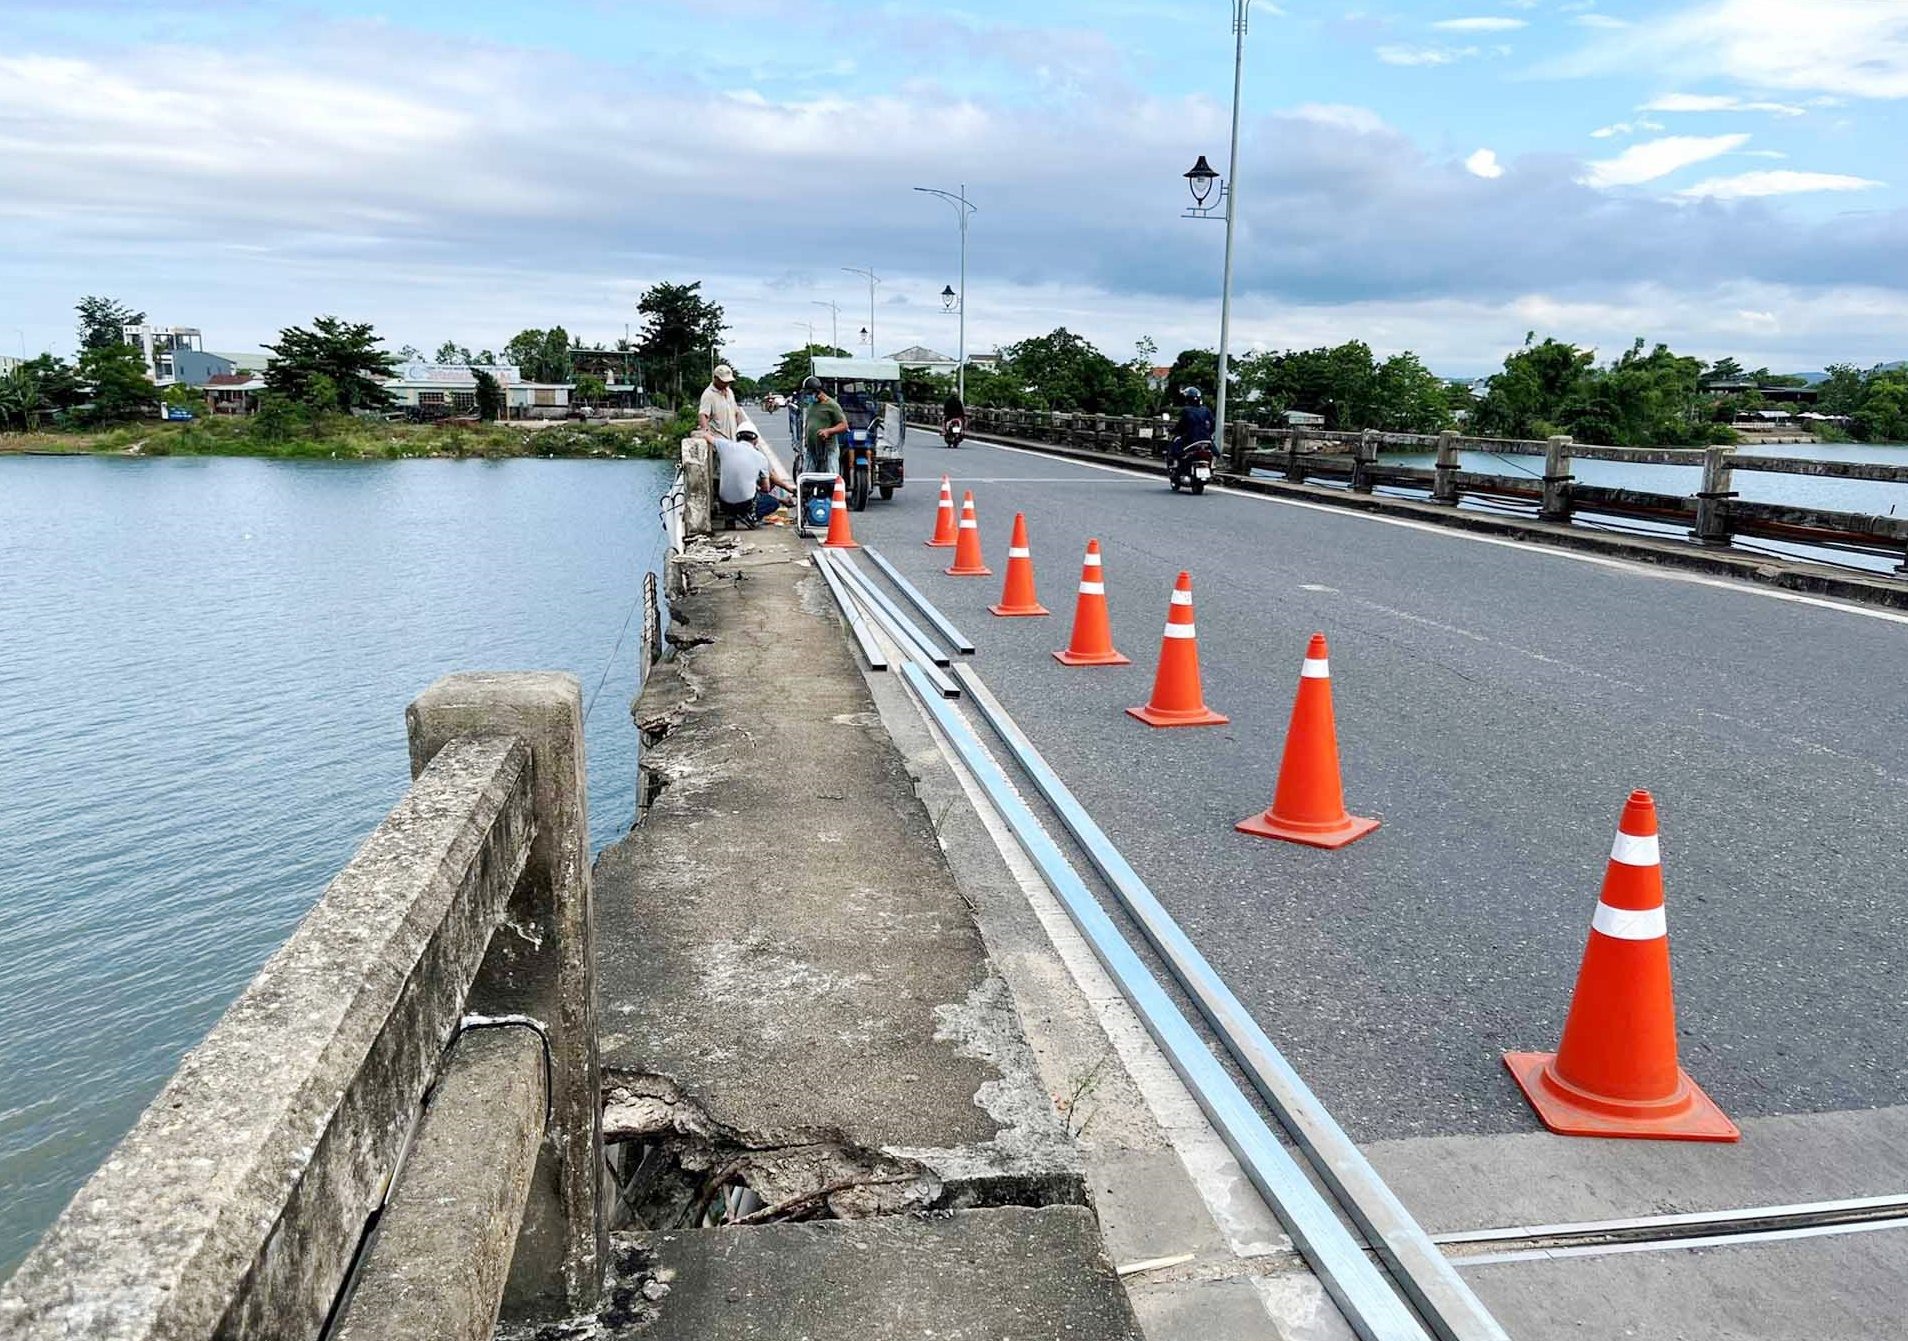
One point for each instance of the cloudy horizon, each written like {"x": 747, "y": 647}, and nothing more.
{"x": 1440, "y": 177}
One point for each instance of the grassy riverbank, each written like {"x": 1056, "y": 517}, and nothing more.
{"x": 343, "y": 437}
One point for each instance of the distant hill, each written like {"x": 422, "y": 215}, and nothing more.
{"x": 1813, "y": 377}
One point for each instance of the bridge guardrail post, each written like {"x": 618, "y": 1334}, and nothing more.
{"x": 1364, "y": 457}
{"x": 698, "y": 487}
{"x": 1444, "y": 482}
{"x": 1556, "y": 506}
{"x": 1240, "y": 448}
{"x": 542, "y": 964}
{"x": 1712, "y": 500}
{"x": 1294, "y": 458}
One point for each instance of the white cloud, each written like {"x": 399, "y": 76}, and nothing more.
{"x": 1775, "y": 182}
{"x": 1716, "y": 102}
{"x": 1492, "y": 24}
{"x": 1394, "y": 54}
{"x": 1853, "y": 48}
{"x": 1484, "y": 164}
{"x": 1343, "y": 115}
{"x": 1658, "y": 158}
{"x": 1606, "y": 22}
{"x": 1624, "y": 128}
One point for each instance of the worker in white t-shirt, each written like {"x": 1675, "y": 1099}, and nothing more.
{"x": 718, "y": 412}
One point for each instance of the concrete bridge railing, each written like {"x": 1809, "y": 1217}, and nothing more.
{"x": 393, "y": 1133}
{"x": 1713, "y": 515}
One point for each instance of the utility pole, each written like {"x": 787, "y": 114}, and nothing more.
{"x": 962, "y": 208}
{"x": 1241, "y": 13}
{"x": 873, "y": 279}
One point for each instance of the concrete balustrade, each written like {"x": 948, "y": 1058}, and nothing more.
{"x": 238, "y": 1205}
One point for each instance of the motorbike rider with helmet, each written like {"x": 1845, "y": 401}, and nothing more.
{"x": 1195, "y": 425}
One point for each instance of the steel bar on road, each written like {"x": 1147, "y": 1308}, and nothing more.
{"x": 945, "y": 627}
{"x": 1362, "y": 1292}
{"x": 911, "y": 652}
{"x": 911, "y": 631}
{"x": 870, "y": 651}
{"x": 1455, "y": 1312}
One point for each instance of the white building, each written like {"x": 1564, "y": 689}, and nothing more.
{"x": 451, "y": 388}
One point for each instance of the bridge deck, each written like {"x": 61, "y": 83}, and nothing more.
{"x": 1496, "y": 701}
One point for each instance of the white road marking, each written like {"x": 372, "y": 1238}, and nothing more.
{"x": 1553, "y": 551}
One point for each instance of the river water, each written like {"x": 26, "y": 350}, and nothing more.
{"x": 204, "y": 665}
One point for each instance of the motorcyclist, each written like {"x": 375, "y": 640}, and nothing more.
{"x": 1195, "y": 425}
{"x": 953, "y": 411}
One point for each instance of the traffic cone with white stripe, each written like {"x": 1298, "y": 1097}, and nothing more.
{"x": 1616, "y": 1073}
{"x": 945, "y": 531}
{"x": 1309, "y": 805}
{"x": 967, "y": 549}
{"x": 1017, "y": 593}
{"x": 840, "y": 534}
{"x": 1092, "y": 641}
{"x": 1177, "y": 698}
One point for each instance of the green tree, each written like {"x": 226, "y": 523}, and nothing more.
{"x": 1882, "y": 415}
{"x": 345, "y": 353}
{"x": 1063, "y": 371}
{"x": 789, "y": 370}
{"x": 1536, "y": 389}
{"x": 1339, "y": 382}
{"x": 1193, "y": 367}
{"x": 117, "y": 386}
{"x": 590, "y": 389}
{"x": 1409, "y": 397}
{"x": 541, "y": 356}
{"x": 490, "y": 397}
{"x": 20, "y": 398}
{"x": 452, "y": 352}
{"x": 278, "y": 419}
{"x": 1722, "y": 370}
{"x": 680, "y": 328}
{"x": 1841, "y": 392}
{"x": 102, "y": 322}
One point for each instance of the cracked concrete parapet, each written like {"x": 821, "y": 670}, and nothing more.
{"x": 235, "y": 1205}
{"x": 543, "y": 964}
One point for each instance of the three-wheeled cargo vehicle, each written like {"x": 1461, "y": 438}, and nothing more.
{"x": 869, "y": 391}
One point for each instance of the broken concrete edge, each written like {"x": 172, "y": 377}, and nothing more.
{"x": 546, "y": 970}
{"x": 1031, "y": 1161}
{"x": 235, "y": 1205}
{"x": 441, "y": 1252}
{"x": 1788, "y": 575}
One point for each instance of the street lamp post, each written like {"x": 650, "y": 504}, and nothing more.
{"x": 809, "y": 326}
{"x": 1200, "y": 179}
{"x": 962, "y": 207}
{"x": 834, "y": 313}
{"x": 873, "y": 279}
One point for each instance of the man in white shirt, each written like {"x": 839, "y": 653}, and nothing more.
{"x": 744, "y": 474}
{"x": 718, "y": 412}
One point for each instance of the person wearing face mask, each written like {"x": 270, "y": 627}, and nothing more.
{"x": 822, "y": 423}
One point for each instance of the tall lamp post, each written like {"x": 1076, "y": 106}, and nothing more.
{"x": 873, "y": 279}
{"x": 834, "y": 313}
{"x": 1200, "y": 179}
{"x": 952, "y": 301}
{"x": 809, "y": 326}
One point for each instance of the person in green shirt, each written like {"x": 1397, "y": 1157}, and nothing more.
{"x": 822, "y": 423}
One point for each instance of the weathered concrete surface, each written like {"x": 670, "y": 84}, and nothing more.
{"x": 542, "y": 965}
{"x": 235, "y": 1204}
{"x": 1012, "y": 1274}
{"x": 444, "y": 1243}
{"x": 1847, "y": 1287}
{"x": 781, "y": 937}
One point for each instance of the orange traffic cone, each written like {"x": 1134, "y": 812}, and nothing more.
{"x": 1092, "y": 641}
{"x": 1309, "y": 805}
{"x": 967, "y": 550}
{"x": 944, "y": 527}
{"x": 1177, "y": 699}
{"x": 840, "y": 534}
{"x": 1017, "y": 593}
{"x": 1615, "y": 1073}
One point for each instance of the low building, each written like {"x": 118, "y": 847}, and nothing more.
{"x": 8, "y": 363}
{"x": 1302, "y": 419}
{"x": 921, "y": 358}
{"x": 160, "y": 347}
{"x": 442, "y": 389}
{"x": 233, "y": 392}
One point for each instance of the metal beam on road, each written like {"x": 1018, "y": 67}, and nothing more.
{"x": 1455, "y": 1312}
{"x": 1362, "y": 1292}
{"x": 960, "y": 641}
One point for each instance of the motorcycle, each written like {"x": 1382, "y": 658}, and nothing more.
{"x": 1191, "y": 468}
{"x": 953, "y": 431}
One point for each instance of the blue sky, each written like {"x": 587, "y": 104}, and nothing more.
{"x": 1725, "y": 175}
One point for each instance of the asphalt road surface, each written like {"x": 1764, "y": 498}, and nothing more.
{"x": 1495, "y": 705}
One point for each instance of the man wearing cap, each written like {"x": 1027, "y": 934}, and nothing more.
{"x": 718, "y": 412}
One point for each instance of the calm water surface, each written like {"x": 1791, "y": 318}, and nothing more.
{"x": 203, "y": 672}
